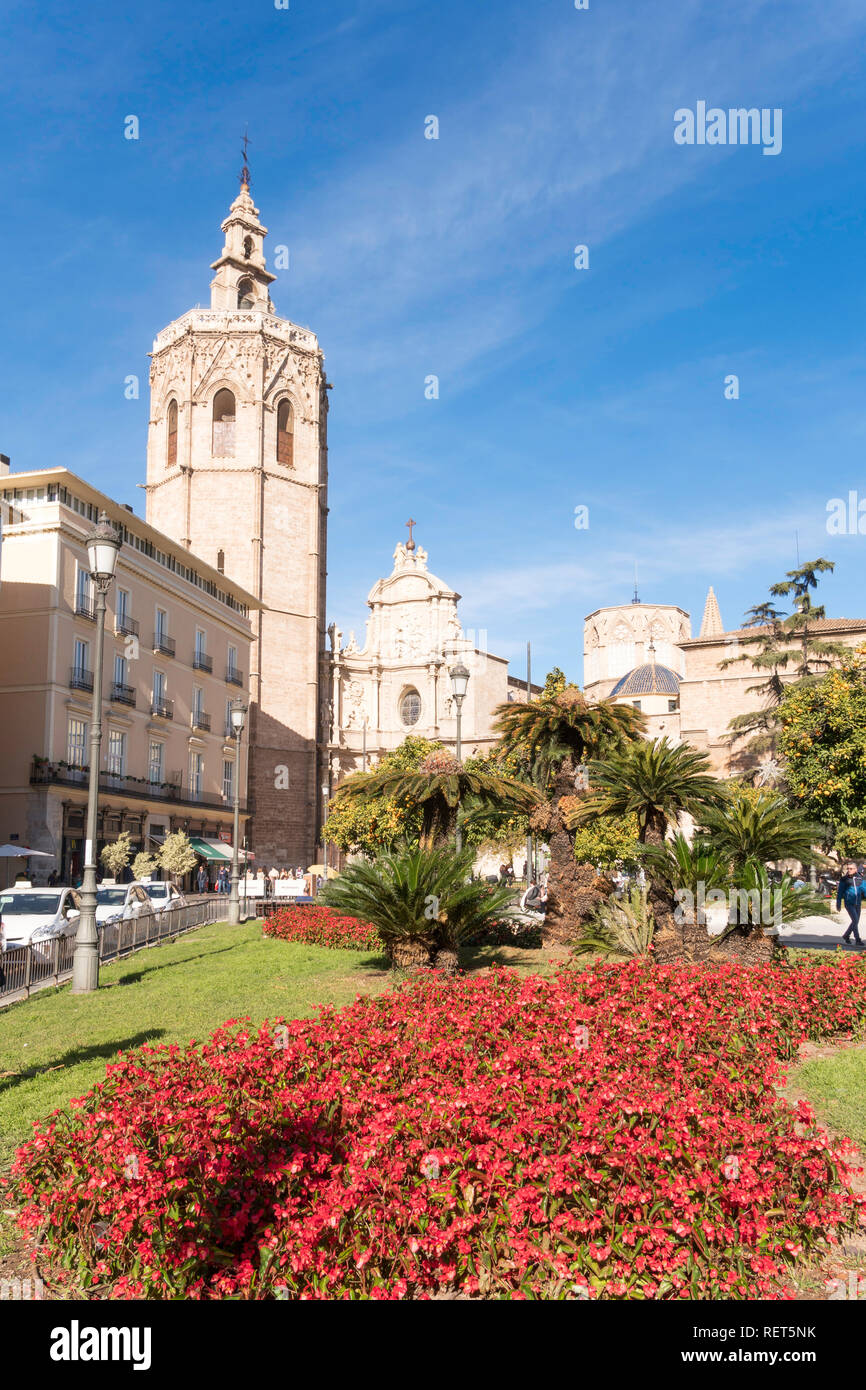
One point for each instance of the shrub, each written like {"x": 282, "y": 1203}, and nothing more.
{"x": 319, "y": 926}
{"x": 612, "y": 1133}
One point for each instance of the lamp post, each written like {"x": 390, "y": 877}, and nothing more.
{"x": 238, "y": 718}
{"x": 326, "y": 792}
{"x": 103, "y": 545}
{"x": 459, "y": 681}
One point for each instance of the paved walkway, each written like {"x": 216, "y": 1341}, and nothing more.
{"x": 820, "y": 933}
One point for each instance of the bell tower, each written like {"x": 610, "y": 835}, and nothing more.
{"x": 237, "y": 472}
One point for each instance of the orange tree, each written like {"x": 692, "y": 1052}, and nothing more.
{"x": 374, "y": 823}
{"x": 823, "y": 743}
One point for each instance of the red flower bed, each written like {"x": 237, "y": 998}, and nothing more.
{"x": 614, "y": 1132}
{"x": 319, "y": 926}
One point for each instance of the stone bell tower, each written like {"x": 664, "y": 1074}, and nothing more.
{"x": 237, "y": 472}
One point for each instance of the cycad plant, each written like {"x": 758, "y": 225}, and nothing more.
{"x": 754, "y": 827}
{"x": 556, "y": 735}
{"x": 655, "y": 781}
{"x": 421, "y": 901}
{"x": 619, "y": 927}
{"x": 439, "y": 787}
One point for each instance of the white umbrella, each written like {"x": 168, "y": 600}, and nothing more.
{"x": 22, "y": 852}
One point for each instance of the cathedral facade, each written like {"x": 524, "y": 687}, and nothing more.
{"x": 397, "y": 684}
{"x": 237, "y": 472}
{"x": 688, "y": 688}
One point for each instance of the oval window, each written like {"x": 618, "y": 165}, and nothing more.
{"x": 410, "y": 707}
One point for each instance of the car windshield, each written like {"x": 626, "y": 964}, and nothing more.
{"x": 156, "y": 890}
{"x": 29, "y": 904}
{"x": 110, "y": 897}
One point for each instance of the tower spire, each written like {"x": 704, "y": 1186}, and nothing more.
{"x": 712, "y": 625}
{"x": 242, "y": 280}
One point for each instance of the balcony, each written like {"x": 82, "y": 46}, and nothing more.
{"x": 123, "y": 694}
{"x": 124, "y": 626}
{"x": 202, "y": 662}
{"x": 62, "y": 775}
{"x": 234, "y": 676}
{"x": 79, "y": 679}
{"x": 163, "y": 709}
{"x": 200, "y": 720}
{"x": 163, "y": 643}
{"x": 85, "y": 608}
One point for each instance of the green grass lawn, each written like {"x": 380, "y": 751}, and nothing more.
{"x": 836, "y": 1087}
{"x": 55, "y": 1045}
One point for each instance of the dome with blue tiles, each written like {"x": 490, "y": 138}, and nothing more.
{"x": 650, "y": 679}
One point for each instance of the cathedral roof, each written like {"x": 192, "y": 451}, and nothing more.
{"x": 650, "y": 679}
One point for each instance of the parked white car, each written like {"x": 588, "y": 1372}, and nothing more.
{"x": 121, "y": 902}
{"x": 163, "y": 896}
{"x": 31, "y": 916}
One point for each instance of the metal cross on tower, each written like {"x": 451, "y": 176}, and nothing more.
{"x": 410, "y": 523}
{"x": 245, "y": 172}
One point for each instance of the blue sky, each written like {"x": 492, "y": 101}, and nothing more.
{"x": 411, "y": 257}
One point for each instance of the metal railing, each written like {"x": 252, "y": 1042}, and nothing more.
{"x": 234, "y": 676}
{"x": 80, "y": 679}
{"x": 139, "y": 788}
{"x": 122, "y": 694}
{"x": 124, "y": 626}
{"x": 163, "y": 643}
{"x": 164, "y": 708}
{"x": 85, "y": 608}
{"x": 26, "y": 969}
{"x": 202, "y": 662}
{"x": 200, "y": 720}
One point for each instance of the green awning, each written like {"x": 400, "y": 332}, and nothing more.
{"x": 211, "y": 849}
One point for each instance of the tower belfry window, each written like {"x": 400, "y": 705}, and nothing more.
{"x": 285, "y": 434}
{"x": 248, "y": 247}
{"x": 171, "y": 448}
{"x": 246, "y": 299}
{"x": 223, "y": 424}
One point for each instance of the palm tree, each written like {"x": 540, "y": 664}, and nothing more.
{"x": 695, "y": 871}
{"x": 557, "y": 734}
{"x": 756, "y": 827}
{"x": 439, "y": 786}
{"x": 421, "y": 901}
{"x": 657, "y": 782}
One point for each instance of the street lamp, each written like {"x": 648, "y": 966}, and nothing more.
{"x": 326, "y": 792}
{"x": 103, "y": 545}
{"x": 459, "y": 681}
{"x": 238, "y": 718}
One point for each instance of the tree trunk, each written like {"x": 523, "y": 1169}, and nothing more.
{"x": 409, "y": 952}
{"x": 574, "y": 891}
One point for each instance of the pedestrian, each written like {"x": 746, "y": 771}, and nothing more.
{"x": 201, "y": 878}
{"x": 273, "y": 876}
{"x": 851, "y": 892}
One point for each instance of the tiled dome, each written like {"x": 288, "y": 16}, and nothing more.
{"x": 651, "y": 679}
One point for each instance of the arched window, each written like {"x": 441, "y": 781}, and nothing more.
{"x": 248, "y": 247}
{"x": 246, "y": 293}
{"x": 221, "y": 561}
{"x": 285, "y": 434}
{"x": 223, "y": 424}
{"x": 410, "y": 707}
{"x": 171, "y": 448}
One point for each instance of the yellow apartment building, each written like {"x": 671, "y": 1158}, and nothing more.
{"x": 177, "y": 652}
